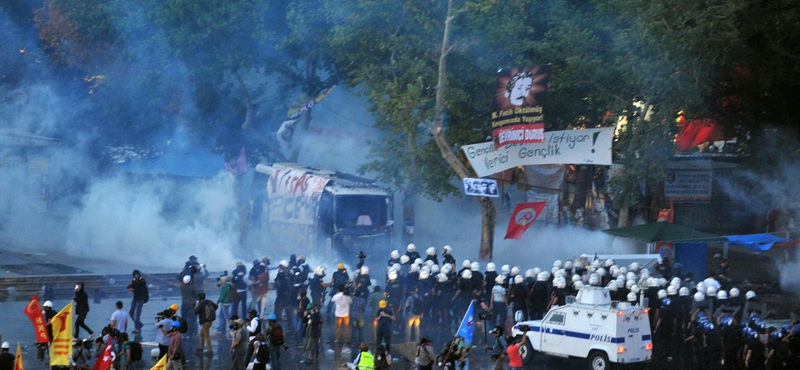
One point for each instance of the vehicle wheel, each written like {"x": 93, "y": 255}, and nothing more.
{"x": 599, "y": 361}
{"x": 526, "y": 352}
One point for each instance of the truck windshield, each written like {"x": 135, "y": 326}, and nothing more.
{"x": 361, "y": 211}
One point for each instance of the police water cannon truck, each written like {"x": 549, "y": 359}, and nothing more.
{"x": 592, "y": 327}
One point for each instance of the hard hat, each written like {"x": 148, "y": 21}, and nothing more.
{"x": 672, "y": 290}
{"x": 467, "y": 274}
{"x": 541, "y": 277}
{"x": 319, "y": 271}
{"x": 48, "y": 304}
{"x": 187, "y": 279}
{"x": 442, "y": 278}
{"x": 435, "y": 269}
{"x": 662, "y": 294}
{"x": 447, "y": 249}
{"x": 594, "y": 280}
{"x": 709, "y": 326}
{"x": 634, "y": 289}
{"x": 272, "y": 316}
{"x": 515, "y": 271}
{"x": 666, "y": 302}
{"x": 414, "y": 268}
{"x": 529, "y": 273}
{"x": 518, "y": 279}
{"x": 750, "y": 294}
{"x": 392, "y": 275}
{"x": 499, "y": 279}
{"x": 612, "y": 285}
{"x": 683, "y": 292}
{"x": 285, "y": 263}
{"x": 411, "y": 248}
{"x": 424, "y": 275}
{"x": 578, "y": 285}
{"x": 491, "y": 266}
{"x": 174, "y": 307}
{"x": 364, "y": 270}
{"x": 431, "y": 251}
{"x": 568, "y": 265}
{"x": 609, "y": 262}
{"x": 711, "y": 291}
{"x": 5, "y": 345}
{"x": 475, "y": 266}
{"x": 382, "y": 303}
{"x": 557, "y": 263}
{"x": 631, "y": 297}
{"x": 506, "y": 269}
{"x": 699, "y": 297}
{"x": 734, "y": 292}
{"x": 176, "y": 324}
{"x": 404, "y": 259}
{"x": 466, "y": 264}
{"x": 395, "y": 254}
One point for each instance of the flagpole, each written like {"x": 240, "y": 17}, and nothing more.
{"x": 453, "y": 342}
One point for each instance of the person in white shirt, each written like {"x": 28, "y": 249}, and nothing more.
{"x": 119, "y": 319}
{"x": 342, "y": 313}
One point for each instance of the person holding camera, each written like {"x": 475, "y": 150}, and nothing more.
{"x": 383, "y": 360}
{"x": 313, "y": 321}
{"x": 514, "y": 358}
{"x": 425, "y": 355}
{"x": 226, "y": 292}
{"x": 499, "y": 347}
{"x": 238, "y": 343}
{"x": 163, "y": 325}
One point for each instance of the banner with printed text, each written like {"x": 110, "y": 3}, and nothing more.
{"x": 589, "y": 146}
{"x": 294, "y": 196}
{"x": 34, "y": 312}
{"x": 688, "y": 186}
{"x": 517, "y": 115}
{"x": 61, "y": 348}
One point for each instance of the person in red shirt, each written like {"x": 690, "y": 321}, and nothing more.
{"x": 514, "y": 359}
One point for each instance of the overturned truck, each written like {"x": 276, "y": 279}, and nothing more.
{"x": 323, "y": 211}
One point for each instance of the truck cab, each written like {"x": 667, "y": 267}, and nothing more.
{"x": 592, "y": 327}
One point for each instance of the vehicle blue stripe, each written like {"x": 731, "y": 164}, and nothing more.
{"x": 574, "y": 334}
{"x": 646, "y": 337}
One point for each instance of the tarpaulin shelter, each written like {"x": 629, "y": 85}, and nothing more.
{"x": 691, "y": 246}
{"x": 756, "y": 242}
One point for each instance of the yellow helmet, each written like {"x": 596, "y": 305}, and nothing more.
{"x": 340, "y": 266}
{"x": 174, "y": 307}
{"x": 382, "y": 304}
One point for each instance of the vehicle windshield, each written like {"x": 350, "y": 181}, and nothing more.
{"x": 361, "y": 211}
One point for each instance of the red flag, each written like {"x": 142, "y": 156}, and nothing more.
{"x": 104, "y": 361}
{"x": 523, "y": 217}
{"x": 34, "y": 312}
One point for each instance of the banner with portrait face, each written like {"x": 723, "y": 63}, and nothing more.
{"x": 517, "y": 115}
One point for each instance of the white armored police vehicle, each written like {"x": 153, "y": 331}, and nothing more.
{"x": 592, "y": 327}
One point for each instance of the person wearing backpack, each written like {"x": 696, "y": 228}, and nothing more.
{"x": 414, "y": 309}
{"x": 313, "y": 320}
{"x": 188, "y": 303}
{"x": 82, "y": 354}
{"x": 206, "y": 312}
{"x": 261, "y": 349}
{"x": 224, "y": 301}
{"x": 276, "y": 339}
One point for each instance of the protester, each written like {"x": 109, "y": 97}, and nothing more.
{"x": 226, "y": 292}
{"x": 188, "y": 304}
{"x": 141, "y": 295}
{"x": 238, "y": 349}
{"x": 206, "y": 314}
{"x": 313, "y": 320}
{"x": 175, "y": 352}
{"x": 276, "y": 339}
{"x": 425, "y": 355}
{"x": 385, "y": 317}
{"x": 342, "y": 313}
{"x": 81, "y": 310}
{"x": 119, "y": 319}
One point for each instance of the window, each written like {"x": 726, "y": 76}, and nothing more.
{"x": 557, "y": 318}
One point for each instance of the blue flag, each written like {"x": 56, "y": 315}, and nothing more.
{"x": 467, "y": 324}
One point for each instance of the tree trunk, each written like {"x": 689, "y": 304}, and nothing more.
{"x": 487, "y": 207}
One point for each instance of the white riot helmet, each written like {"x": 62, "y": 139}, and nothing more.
{"x": 711, "y": 291}
{"x": 675, "y": 281}
{"x": 591, "y": 269}
{"x": 645, "y": 271}
{"x": 392, "y": 275}
{"x": 631, "y": 297}
{"x": 612, "y": 285}
{"x": 568, "y": 265}
{"x": 424, "y": 275}
{"x": 425, "y": 268}
{"x": 536, "y": 271}
{"x": 672, "y": 290}
{"x": 560, "y": 273}
{"x": 578, "y": 285}
{"x": 699, "y": 297}
{"x": 614, "y": 270}
{"x": 560, "y": 283}
{"x": 634, "y": 267}
{"x": 435, "y": 269}
{"x": 722, "y": 295}
{"x": 601, "y": 272}
{"x": 629, "y": 284}
{"x": 506, "y": 269}
{"x": 515, "y": 271}
{"x": 395, "y": 254}
{"x": 396, "y": 267}
{"x": 609, "y": 262}
{"x": 429, "y": 263}
{"x": 553, "y": 270}
{"x": 404, "y": 259}
{"x": 411, "y": 248}
{"x": 558, "y": 263}
{"x": 284, "y": 263}
{"x": 529, "y": 273}
{"x": 734, "y": 292}
{"x": 518, "y": 279}
{"x": 48, "y": 304}
{"x": 594, "y": 281}
{"x": 491, "y": 266}
{"x": 431, "y": 251}
{"x": 620, "y": 281}
{"x": 414, "y": 267}
{"x": 653, "y": 282}
{"x": 683, "y": 292}
{"x": 5, "y": 345}
{"x": 442, "y": 278}
{"x": 541, "y": 276}
{"x": 466, "y": 264}
{"x": 623, "y": 270}
{"x": 467, "y": 274}
{"x": 630, "y": 276}
{"x": 187, "y": 279}
{"x": 418, "y": 261}
{"x": 319, "y": 271}
{"x": 475, "y": 266}
{"x": 576, "y": 277}
{"x": 499, "y": 279}
{"x": 701, "y": 287}
{"x": 447, "y": 268}
{"x": 634, "y": 289}
{"x": 596, "y": 264}
{"x": 364, "y": 270}
{"x": 662, "y": 282}
{"x": 446, "y": 249}
{"x": 750, "y": 294}
{"x": 662, "y": 294}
